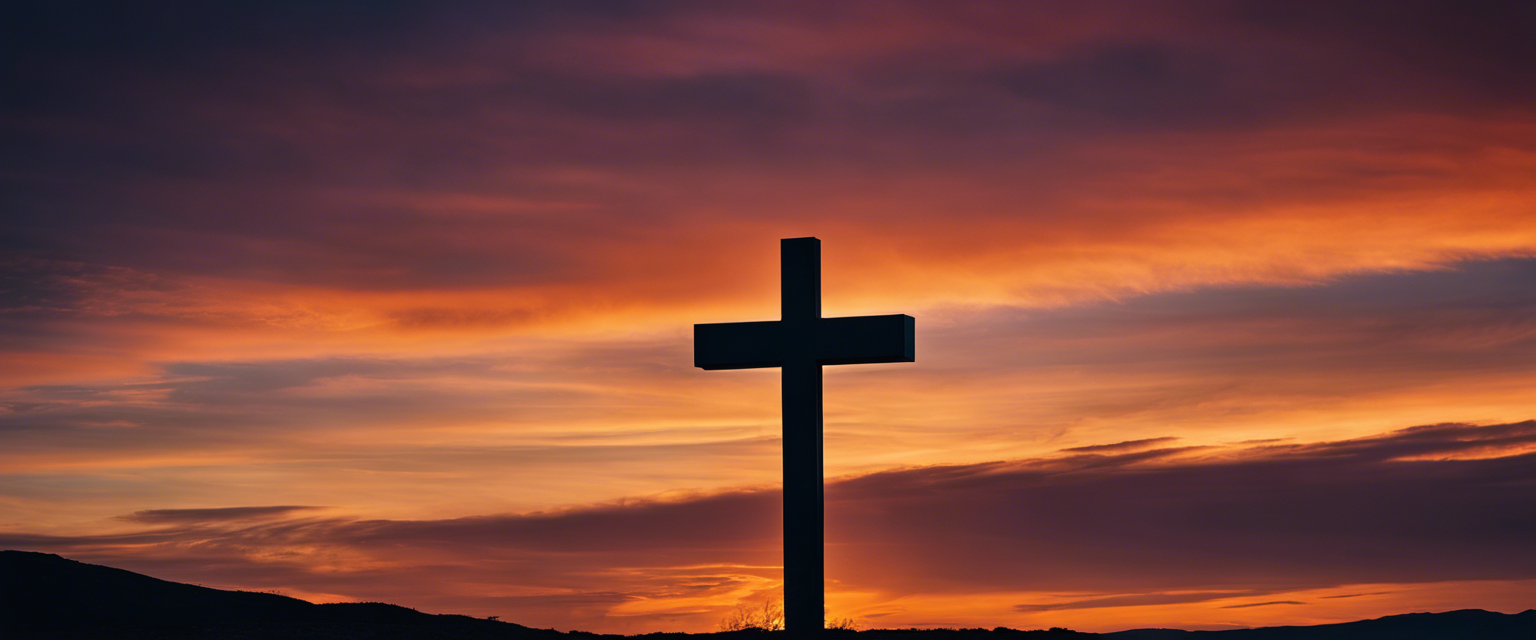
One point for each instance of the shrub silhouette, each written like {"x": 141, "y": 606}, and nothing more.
{"x": 842, "y": 624}
{"x": 769, "y": 617}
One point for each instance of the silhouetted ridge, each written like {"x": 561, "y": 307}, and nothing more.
{"x": 1467, "y": 623}
{"x": 45, "y": 596}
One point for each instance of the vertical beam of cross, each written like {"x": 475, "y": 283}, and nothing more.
{"x": 804, "y": 506}
{"x": 799, "y": 344}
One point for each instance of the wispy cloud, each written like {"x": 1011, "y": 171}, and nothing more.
{"x": 218, "y": 514}
{"x": 1138, "y": 599}
{"x": 1262, "y": 604}
{"x": 1207, "y": 526}
{"x": 1128, "y": 445}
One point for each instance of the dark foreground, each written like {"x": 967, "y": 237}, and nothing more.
{"x": 44, "y": 596}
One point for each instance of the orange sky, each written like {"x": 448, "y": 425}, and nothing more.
{"x": 1221, "y": 307}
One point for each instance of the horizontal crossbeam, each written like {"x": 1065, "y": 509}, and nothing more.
{"x": 848, "y": 340}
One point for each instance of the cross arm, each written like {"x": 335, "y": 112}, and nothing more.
{"x": 738, "y": 345}
{"x": 866, "y": 340}
{"x": 850, "y": 340}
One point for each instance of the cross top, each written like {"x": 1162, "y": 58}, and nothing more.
{"x": 799, "y": 344}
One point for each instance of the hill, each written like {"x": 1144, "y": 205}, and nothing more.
{"x": 1468, "y": 623}
{"x": 46, "y": 596}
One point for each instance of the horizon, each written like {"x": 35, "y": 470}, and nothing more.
{"x": 1226, "y": 313}
{"x": 62, "y": 581}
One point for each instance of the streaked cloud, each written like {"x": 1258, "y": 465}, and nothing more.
{"x": 173, "y": 516}
{"x": 1129, "y": 445}
{"x": 1190, "y": 526}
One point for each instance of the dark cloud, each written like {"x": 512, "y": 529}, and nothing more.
{"x": 168, "y": 34}
{"x": 1146, "y": 82}
{"x": 1262, "y": 604}
{"x": 1400, "y": 507}
{"x": 1355, "y": 595}
{"x": 1369, "y": 334}
{"x": 1450, "y": 440}
{"x": 1489, "y": 304}
{"x": 219, "y": 514}
{"x": 52, "y": 289}
{"x": 1136, "y": 600}
{"x": 1129, "y": 445}
{"x": 1330, "y": 513}
{"x": 205, "y": 139}
{"x": 187, "y": 392}
{"x": 250, "y": 108}
{"x": 1482, "y": 48}
{"x": 39, "y": 299}
{"x": 210, "y": 407}
{"x": 205, "y": 383}
{"x": 730, "y": 523}
{"x": 197, "y": 38}
{"x": 761, "y": 98}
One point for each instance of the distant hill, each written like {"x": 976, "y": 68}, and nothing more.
{"x": 1467, "y": 624}
{"x": 44, "y": 596}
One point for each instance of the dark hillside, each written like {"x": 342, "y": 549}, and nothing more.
{"x": 44, "y": 596}
{"x": 1468, "y": 623}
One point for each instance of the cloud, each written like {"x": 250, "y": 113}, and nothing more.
{"x": 1136, "y": 600}
{"x": 1381, "y": 342}
{"x": 1329, "y": 513}
{"x": 640, "y": 119}
{"x": 1261, "y": 604}
{"x": 527, "y": 418}
{"x": 1142, "y": 82}
{"x": 1457, "y": 47}
{"x": 220, "y": 514}
{"x": 1129, "y": 445}
{"x": 1190, "y": 526}
{"x": 1355, "y": 595}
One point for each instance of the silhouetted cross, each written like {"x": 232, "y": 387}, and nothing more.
{"x": 799, "y": 344}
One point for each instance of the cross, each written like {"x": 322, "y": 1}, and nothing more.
{"x": 799, "y": 344}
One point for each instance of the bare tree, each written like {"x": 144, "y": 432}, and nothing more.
{"x": 769, "y": 617}
{"x": 842, "y": 624}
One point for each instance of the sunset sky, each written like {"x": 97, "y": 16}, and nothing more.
{"x": 1226, "y": 311}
